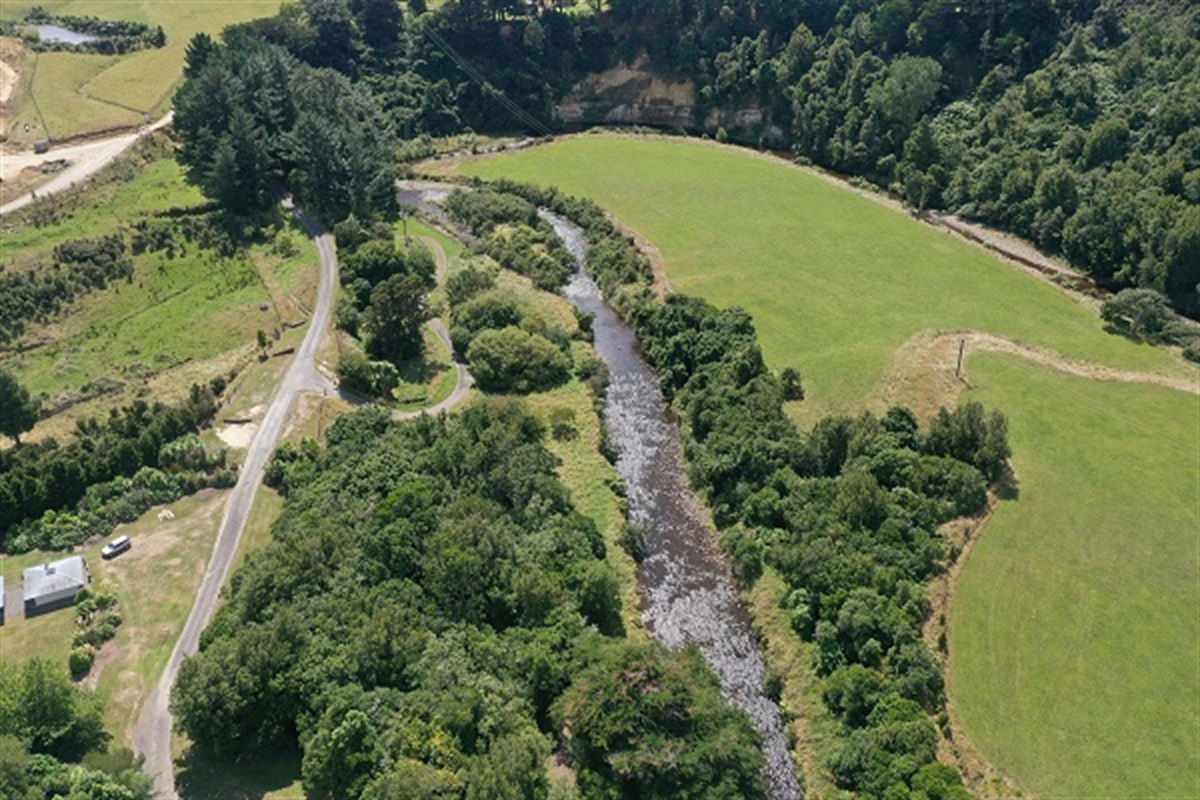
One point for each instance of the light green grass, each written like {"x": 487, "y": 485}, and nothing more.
{"x": 173, "y": 311}
{"x": 835, "y": 282}
{"x": 1075, "y": 635}
{"x": 590, "y": 479}
{"x": 1077, "y": 666}
{"x": 80, "y": 93}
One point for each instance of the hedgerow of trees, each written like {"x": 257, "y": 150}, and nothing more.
{"x": 56, "y": 495}
{"x": 79, "y": 266}
{"x": 430, "y": 616}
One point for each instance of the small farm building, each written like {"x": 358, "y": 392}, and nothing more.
{"x": 54, "y": 585}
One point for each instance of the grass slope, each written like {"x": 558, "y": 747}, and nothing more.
{"x": 194, "y": 315}
{"x": 1076, "y": 665}
{"x": 835, "y": 282}
{"x": 74, "y": 93}
{"x": 1075, "y": 636}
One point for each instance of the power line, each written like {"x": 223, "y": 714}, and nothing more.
{"x": 488, "y": 87}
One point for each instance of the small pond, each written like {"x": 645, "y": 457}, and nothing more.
{"x": 57, "y": 35}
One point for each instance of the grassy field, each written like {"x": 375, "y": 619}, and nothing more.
{"x": 1075, "y": 641}
{"x": 178, "y": 321}
{"x": 74, "y": 93}
{"x": 836, "y": 284}
{"x": 1075, "y": 636}
{"x": 155, "y": 583}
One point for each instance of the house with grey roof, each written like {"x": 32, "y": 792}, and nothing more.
{"x": 54, "y": 585}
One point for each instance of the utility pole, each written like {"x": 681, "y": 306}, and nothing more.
{"x": 962, "y": 343}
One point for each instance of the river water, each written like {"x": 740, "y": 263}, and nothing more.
{"x": 688, "y": 594}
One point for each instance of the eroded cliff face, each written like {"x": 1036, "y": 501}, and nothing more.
{"x": 633, "y": 94}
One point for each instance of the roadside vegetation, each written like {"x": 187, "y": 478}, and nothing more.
{"x": 52, "y": 740}
{"x": 498, "y": 597}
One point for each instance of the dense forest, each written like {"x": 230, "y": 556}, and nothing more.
{"x": 433, "y": 618}
{"x": 1073, "y": 123}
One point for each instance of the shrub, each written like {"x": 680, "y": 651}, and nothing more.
{"x": 511, "y": 360}
{"x": 80, "y": 661}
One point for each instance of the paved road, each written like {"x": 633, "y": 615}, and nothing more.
{"x": 86, "y": 160}
{"x": 152, "y": 735}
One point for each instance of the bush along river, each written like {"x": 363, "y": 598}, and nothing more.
{"x": 688, "y": 592}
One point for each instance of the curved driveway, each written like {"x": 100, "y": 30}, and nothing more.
{"x": 463, "y": 380}
{"x": 152, "y": 735}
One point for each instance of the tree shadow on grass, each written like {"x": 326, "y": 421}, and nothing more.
{"x": 419, "y": 370}
{"x": 1009, "y": 486}
{"x": 202, "y": 777}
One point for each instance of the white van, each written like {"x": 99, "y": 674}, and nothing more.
{"x": 116, "y": 547}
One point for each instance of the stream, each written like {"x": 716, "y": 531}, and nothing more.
{"x": 688, "y": 591}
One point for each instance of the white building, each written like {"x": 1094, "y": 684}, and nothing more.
{"x": 54, "y": 585}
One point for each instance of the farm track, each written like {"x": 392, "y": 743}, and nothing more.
{"x": 462, "y": 386}
{"x": 85, "y": 161}
{"x": 922, "y": 371}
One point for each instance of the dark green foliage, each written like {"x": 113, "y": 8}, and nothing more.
{"x": 428, "y": 596}
{"x": 513, "y": 235}
{"x": 18, "y": 410}
{"x": 645, "y": 723}
{"x": 250, "y": 113}
{"x": 394, "y": 317}
{"x": 1140, "y": 313}
{"x": 80, "y": 266}
{"x": 466, "y": 284}
{"x": 40, "y": 706}
{"x": 47, "y": 476}
{"x": 493, "y": 309}
{"x": 513, "y": 360}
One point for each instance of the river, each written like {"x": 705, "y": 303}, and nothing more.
{"x": 688, "y": 592}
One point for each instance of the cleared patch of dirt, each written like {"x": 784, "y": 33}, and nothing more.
{"x": 12, "y": 56}
{"x": 238, "y": 437}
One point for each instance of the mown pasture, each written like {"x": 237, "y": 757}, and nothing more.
{"x": 1106, "y": 551}
{"x": 836, "y": 283}
{"x": 72, "y": 94}
{"x": 1075, "y": 636}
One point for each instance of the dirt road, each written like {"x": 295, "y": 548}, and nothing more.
{"x": 85, "y": 161}
{"x": 152, "y": 735}
{"x": 464, "y": 380}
